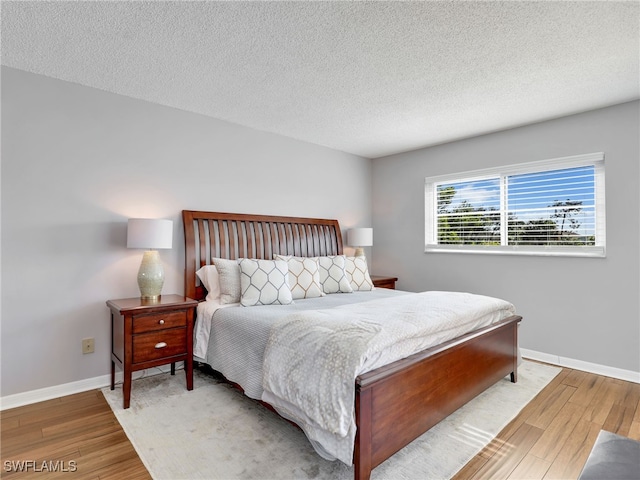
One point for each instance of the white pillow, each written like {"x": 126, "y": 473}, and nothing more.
{"x": 229, "y": 275}
{"x": 210, "y": 279}
{"x": 358, "y": 273}
{"x": 264, "y": 282}
{"x": 333, "y": 277}
{"x": 304, "y": 276}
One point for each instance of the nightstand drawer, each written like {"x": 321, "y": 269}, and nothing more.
{"x": 159, "y": 321}
{"x": 165, "y": 343}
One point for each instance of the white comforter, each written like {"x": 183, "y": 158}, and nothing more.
{"x": 313, "y": 357}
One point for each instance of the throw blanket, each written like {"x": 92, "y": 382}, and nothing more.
{"x": 313, "y": 358}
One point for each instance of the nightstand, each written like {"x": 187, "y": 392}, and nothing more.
{"x": 147, "y": 334}
{"x": 382, "y": 281}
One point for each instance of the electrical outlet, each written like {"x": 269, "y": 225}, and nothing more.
{"x": 88, "y": 345}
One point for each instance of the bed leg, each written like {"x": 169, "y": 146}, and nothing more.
{"x": 516, "y": 354}
{"x": 361, "y": 472}
{"x": 362, "y": 448}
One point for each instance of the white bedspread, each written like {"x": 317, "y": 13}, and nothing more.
{"x": 233, "y": 340}
{"x": 312, "y": 358}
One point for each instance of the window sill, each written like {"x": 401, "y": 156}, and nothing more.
{"x": 592, "y": 252}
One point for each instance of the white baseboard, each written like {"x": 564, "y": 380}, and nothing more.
{"x": 42, "y": 394}
{"x": 627, "y": 375}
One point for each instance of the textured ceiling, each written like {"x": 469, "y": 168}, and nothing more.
{"x": 370, "y": 78}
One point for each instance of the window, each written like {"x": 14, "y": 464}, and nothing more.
{"x": 552, "y": 207}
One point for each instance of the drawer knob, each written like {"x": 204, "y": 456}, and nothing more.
{"x": 161, "y": 322}
{"x": 161, "y": 345}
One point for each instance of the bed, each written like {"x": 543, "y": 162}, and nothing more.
{"x": 396, "y": 402}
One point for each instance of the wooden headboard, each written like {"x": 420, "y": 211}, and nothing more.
{"x": 235, "y": 235}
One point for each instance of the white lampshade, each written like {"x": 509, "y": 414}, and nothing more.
{"x": 149, "y": 233}
{"x": 360, "y": 237}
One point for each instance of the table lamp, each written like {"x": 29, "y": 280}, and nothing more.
{"x": 151, "y": 234}
{"x": 360, "y": 237}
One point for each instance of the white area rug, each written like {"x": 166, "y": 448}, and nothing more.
{"x": 214, "y": 432}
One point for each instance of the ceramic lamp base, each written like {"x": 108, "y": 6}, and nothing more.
{"x": 359, "y": 252}
{"x": 150, "y": 276}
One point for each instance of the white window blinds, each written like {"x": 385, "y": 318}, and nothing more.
{"x": 554, "y": 207}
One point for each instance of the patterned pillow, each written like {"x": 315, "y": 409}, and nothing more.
{"x": 229, "y": 275}
{"x": 304, "y": 276}
{"x": 264, "y": 282}
{"x": 333, "y": 277}
{"x": 358, "y": 273}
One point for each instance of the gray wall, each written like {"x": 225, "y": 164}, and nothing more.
{"x": 77, "y": 162}
{"x": 585, "y": 309}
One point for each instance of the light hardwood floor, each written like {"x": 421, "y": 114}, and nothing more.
{"x": 550, "y": 439}
{"x": 77, "y": 428}
{"x": 553, "y": 435}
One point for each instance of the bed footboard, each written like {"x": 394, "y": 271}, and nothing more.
{"x": 397, "y": 403}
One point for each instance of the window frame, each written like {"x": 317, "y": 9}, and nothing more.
{"x": 591, "y": 159}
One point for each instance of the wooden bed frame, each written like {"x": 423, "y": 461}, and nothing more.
{"x": 395, "y": 403}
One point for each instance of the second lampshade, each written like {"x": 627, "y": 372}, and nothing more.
{"x": 360, "y": 237}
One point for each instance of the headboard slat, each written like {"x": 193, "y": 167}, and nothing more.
{"x": 211, "y": 235}
{"x": 286, "y": 238}
{"x": 232, "y": 237}
{"x": 221, "y": 245}
{"x": 266, "y": 245}
{"x": 322, "y": 239}
{"x": 275, "y": 239}
{"x": 296, "y": 240}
